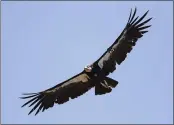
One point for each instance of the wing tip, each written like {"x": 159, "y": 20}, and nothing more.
{"x": 147, "y": 11}
{"x": 135, "y": 8}
{"x": 143, "y": 32}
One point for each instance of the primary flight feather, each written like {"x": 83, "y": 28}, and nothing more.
{"x": 94, "y": 75}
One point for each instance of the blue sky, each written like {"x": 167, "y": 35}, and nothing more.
{"x": 45, "y": 43}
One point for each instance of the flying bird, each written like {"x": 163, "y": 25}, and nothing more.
{"x": 94, "y": 75}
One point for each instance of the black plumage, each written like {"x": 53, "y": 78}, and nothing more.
{"x": 94, "y": 75}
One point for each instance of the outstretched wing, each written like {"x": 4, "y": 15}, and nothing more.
{"x": 61, "y": 93}
{"x": 117, "y": 52}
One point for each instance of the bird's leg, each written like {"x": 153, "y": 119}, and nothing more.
{"x": 105, "y": 85}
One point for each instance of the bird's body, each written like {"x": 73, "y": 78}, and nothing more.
{"x": 94, "y": 75}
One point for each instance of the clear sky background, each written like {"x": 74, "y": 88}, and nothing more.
{"x": 45, "y": 43}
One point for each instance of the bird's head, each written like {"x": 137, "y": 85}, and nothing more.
{"x": 88, "y": 68}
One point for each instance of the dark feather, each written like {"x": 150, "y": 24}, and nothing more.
{"x": 29, "y": 101}
{"x": 133, "y": 15}
{"x": 129, "y": 16}
{"x": 124, "y": 43}
{"x": 144, "y": 27}
{"x": 84, "y": 81}
{"x": 143, "y": 23}
{"x": 140, "y": 19}
{"x": 71, "y": 88}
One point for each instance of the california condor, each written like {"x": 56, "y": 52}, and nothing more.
{"x": 94, "y": 75}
